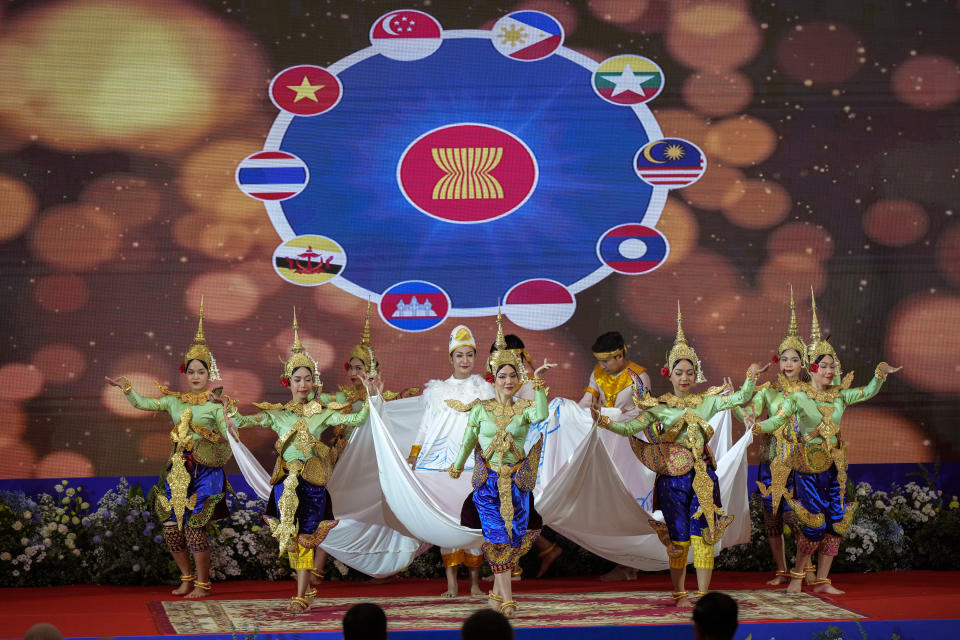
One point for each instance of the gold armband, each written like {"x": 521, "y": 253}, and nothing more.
{"x": 878, "y": 373}
{"x": 752, "y": 376}
{"x": 415, "y": 451}
{"x": 538, "y": 383}
{"x": 757, "y": 429}
{"x": 604, "y": 422}
{"x": 126, "y": 385}
{"x": 454, "y": 473}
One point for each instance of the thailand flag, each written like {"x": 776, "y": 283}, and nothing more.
{"x": 632, "y": 249}
{"x": 272, "y": 175}
{"x": 527, "y": 35}
{"x": 406, "y": 35}
{"x": 414, "y": 305}
{"x": 672, "y": 163}
{"x": 539, "y": 304}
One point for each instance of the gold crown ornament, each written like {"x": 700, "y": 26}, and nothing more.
{"x": 792, "y": 340}
{"x": 818, "y": 346}
{"x": 298, "y": 356}
{"x": 364, "y": 351}
{"x": 501, "y": 356}
{"x": 683, "y": 351}
{"x": 461, "y": 336}
{"x": 200, "y": 351}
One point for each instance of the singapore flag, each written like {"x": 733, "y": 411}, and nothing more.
{"x": 406, "y": 35}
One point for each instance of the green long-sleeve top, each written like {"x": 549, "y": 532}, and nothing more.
{"x": 487, "y": 418}
{"x": 301, "y": 423}
{"x": 769, "y": 397}
{"x": 815, "y": 408}
{"x": 669, "y": 419}
{"x": 208, "y": 421}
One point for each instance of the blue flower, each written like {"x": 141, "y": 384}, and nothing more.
{"x": 96, "y": 539}
{"x": 129, "y": 518}
{"x": 121, "y": 501}
{"x": 108, "y": 533}
{"x": 134, "y": 512}
{"x": 158, "y": 538}
{"x": 85, "y": 522}
{"x": 150, "y": 526}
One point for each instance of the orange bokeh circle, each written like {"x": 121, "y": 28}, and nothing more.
{"x": 59, "y": 363}
{"x": 20, "y": 381}
{"x": 895, "y": 223}
{"x": 876, "y": 436}
{"x": 229, "y": 297}
{"x": 719, "y": 187}
{"x": 680, "y": 226}
{"x": 683, "y": 123}
{"x": 61, "y": 292}
{"x": 19, "y": 207}
{"x": 756, "y": 204}
{"x": 75, "y": 237}
{"x": 741, "y": 141}
{"x": 948, "y": 254}
{"x": 713, "y": 35}
{"x": 801, "y": 237}
{"x": 927, "y": 82}
{"x": 130, "y": 199}
{"x": 618, "y": 11}
{"x": 820, "y": 52}
{"x": 923, "y": 336}
{"x": 64, "y": 464}
{"x": 717, "y": 93}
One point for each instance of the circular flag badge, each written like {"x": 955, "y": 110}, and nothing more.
{"x": 539, "y": 304}
{"x": 628, "y": 80}
{"x": 406, "y": 35}
{"x": 414, "y": 305}
{"x": 309, "y": 261}
{"x": 272, "y": 175}
{"x": 632, "y": 249}
{"x": 672, "y": 163}
{"x": 527, "y": 35}
{"x": 467, "y": 173}
{"x": 305, "y": 90}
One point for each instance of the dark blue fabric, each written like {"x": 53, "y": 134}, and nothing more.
{"x": 205, "y": 482}
{"x": 315, "y": 505}
{"x": 486, "y": 500}
{"x": 679, "y": 502}
{"x": 820, "y": 493}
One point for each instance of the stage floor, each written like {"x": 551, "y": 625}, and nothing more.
{"x": 594, "y": 608}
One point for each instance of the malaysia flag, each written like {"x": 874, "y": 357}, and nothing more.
{"x": 672, "y": 163}
{"x": 632, "y": 249}
{"x": 272, "y": 175}
{"x": 539, "y": 304}
{"x": 527, "y": 35}
{"x": 414, "y": 305}
{"x": 406, "y": 35}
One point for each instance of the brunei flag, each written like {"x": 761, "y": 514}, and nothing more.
{"x": 628, "y": 80}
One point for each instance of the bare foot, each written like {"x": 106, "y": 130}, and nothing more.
{"x": 827, "y": 588}
{"x": 619, "y": 572}
{"x": 795, "y": 586}
{"x": 198, "y": 593}
{"x": 450, "y": 593}
{"x": 508, "y": 609}
{"x": 683, "y": 603}
{"x": 548, "y": 559}
{"x": 777, "y": 580}
{"x": 183, "y": 589}
{"x": 475, "y": 590}
{"x": 298, "y": 605}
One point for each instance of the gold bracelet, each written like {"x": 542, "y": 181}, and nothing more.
{"x": 454, "y": 473}
{"x": 539, "y": 383}
{"x": 752, "y": 376}
{"x": 126, "y": 385}
{"x": 604, "y": 422}
{"x": 880, "y": 374}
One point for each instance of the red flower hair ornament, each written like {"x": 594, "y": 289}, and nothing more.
{"x": 284, "y": 381}
{"x": 814, "y": 367}
{"x": 183, "y": 368}
{"x": 665, "y": 372}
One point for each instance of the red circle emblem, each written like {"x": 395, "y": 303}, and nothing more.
{"x": 467, "y": 173}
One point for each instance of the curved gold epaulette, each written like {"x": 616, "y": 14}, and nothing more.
{"x": 268, "y": 406}
{"x": 165, "y": 390}
{"x": 715, "y": 390}
{"x": 456, "y": 405}
{"x": 763, "y": 386}
{"x": 847, "y": 381}
{"x": 338, "y": 406}
{"x": 523, "y": 405}
{"x": 646, "y": 402}
{"x": 390, "y": 395}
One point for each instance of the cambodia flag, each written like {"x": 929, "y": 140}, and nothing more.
{"x": 632, "y": 249}
{"x": 527, "y": 35}
{"x": 414, "y": 305}
{"x": 272, "y": 175}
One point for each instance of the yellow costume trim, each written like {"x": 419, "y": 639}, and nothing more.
{"x": 612, "y": 385}
{"x": 683, "y": 351}
{"x": 702, "y": 553}
{"x": 199, "y": 349}
{"x": 299, "y": 356}
{"x": 415, "y": 451}
{"x": 603, "y": 355}
{"x": 792, "y": 339}
{"x": 818, "y": 346}
{"x": 178, "y": 477}
{"x": 188, "y": 397}
{"x": 301, "y": 559}
{"x": 501, "y": 356}
{"x": 452, "y": 559}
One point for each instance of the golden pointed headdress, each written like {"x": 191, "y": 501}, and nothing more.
{"x": 364, "y": 351}
{"x": 683, "y": 351}
{"x": 298, "y": 355}
{"x": 818, "y": 346}
{"x": 792, "y": 340}
{"x": 200, "y": 351}
{"x": 501, "y": 356}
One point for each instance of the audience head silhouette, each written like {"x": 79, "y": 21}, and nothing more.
{"x": 43, "y": 631}
{"x": 365, "y": 621}
{"x": 715, "y": 617}
{"x": 486, "y": 624}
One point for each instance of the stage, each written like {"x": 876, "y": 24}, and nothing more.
{"x": 909, "y": 604}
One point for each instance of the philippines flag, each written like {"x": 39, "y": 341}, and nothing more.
{"x": 632, "y": 249}
{"x": 672, "y": 163}
{"x": 539, "y": 304}
{"x": 406, "y": 35}
{"x": 527, "y": 35}
{"x": 414, "y": 305}
{"x": 272, "y": 175}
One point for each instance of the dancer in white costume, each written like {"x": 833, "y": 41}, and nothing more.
{"x": 438, "y": 439}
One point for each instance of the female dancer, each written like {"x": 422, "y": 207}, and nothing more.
{"x": 503, "y": 475}
{"x": 308, "y": 433}
{"x": 363, "y": 363}
{"x": 820, "y": 459}
{"x": 676, "y": 425}
{"x": 774, "y": 473}
{"x": 193, "y": 491}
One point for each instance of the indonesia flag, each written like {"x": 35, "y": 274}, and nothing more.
{"x": 272, "y": 175}
{"x": 527, "y": 35}
{"x": 406, "y": 35}
{"x": 539, "y": 304}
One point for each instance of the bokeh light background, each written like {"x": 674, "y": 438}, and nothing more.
{"x": 832, "y": 136}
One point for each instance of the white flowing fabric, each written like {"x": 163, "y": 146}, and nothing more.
{"x": 377, "y": 551}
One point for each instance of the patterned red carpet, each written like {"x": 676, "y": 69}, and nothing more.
{"x": 536, "y": 610}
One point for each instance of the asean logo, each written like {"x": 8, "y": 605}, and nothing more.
{"x": 467, "y": 173}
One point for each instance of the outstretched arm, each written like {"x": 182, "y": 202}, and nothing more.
{"x": 861, "y": 394}
{"x": 134, "y": 398}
